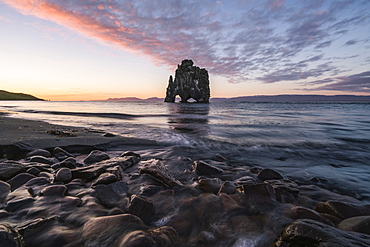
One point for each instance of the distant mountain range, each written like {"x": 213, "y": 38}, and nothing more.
{"x": 5, "y": 95}
{"x": 268, "y": 98}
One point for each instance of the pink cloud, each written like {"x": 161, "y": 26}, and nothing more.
{"x": 239, "y": 43}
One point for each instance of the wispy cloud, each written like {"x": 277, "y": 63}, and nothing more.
{"x": 269, "y": 40}
{"x": 357, "y": 83}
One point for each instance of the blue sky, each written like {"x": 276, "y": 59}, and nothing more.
{"x": 70, "y": 50}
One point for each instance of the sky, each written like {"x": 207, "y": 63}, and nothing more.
{"x": 100, "y": 49}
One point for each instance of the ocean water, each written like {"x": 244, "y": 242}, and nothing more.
{"x": 325, "y": 142}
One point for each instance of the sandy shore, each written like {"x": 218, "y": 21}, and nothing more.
{"x": 66, "y": 186}
{"x": 19, "y": 136}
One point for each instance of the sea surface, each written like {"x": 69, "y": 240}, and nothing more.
{"x": 327, "y": 143}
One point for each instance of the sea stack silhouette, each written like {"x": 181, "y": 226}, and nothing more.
{"x": 191, "y": 82}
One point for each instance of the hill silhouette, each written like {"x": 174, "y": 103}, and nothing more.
{"x": 5, "y": 95}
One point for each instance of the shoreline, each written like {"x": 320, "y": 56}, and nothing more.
{"x": 70, "y": 186}
{"x": 19, "y": 136}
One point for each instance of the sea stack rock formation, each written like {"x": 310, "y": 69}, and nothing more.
{"x": 191, "y": 82}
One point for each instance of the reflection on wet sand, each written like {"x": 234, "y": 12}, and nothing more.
{"x": 189, "y": 118}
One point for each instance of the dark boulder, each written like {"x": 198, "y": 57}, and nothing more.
{"x": 39, "y": 152}
{"x": 342, "y": 210}
{"x": 63, "y": 175}
{"x": 156, "y": 169}
{"x": 266, "y": 174}
{"x": 4, "y": 190}
{"x": 191, "y": 82}
{"x": 141, "y": 207}
{"x": 105, "y": 178}
{"x": 19, "y": 180}
{"x": 203, "y": 168}
{"x": 310, "y": 233}
{"x": 61, "y": 154}
{"x": 42, "y": 160}
{"x": 54, "y": 190}
{"x": 96, "y": 156}
{"x": 359, "y": 224}
{"x": 9, "y": 169}
{"x": 10, "y": 237}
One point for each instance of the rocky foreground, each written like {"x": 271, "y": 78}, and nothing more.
{"x": 61, "y": 199}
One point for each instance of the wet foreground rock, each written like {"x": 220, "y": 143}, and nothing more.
{"x": 128, "y": 199}
{"x": 191, "y": 82}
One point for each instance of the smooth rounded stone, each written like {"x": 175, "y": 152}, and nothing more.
{"x": 228, "y": 187}
{"x": 37, "y": 181}
{"x": 96, "y": 156}
{"x": 130, "y": 153}
{"x": 19, "y": 180}
{"x": 61, "y": 154}
{"x": 42, "y": 160}
{"x": 10, "y": 237}
{"x": 35, "y": 185}
{"x": 211, "y": 185}
{"x": 106, "y": 230}
{"x": 4, "y": 190}
{"x": 156, "y": 169}
{"x": 203, "y": 168}
{"x": 342, "y": 210}
{"x": 359, "y": 224}
{"x": 255, "y": 169}
{"x": 33, "y": 170}
{"x": 47, "y": 175}
{"x": 246, "y": 180}
{"x": 68, "y": 163}
{"x": 39, "y": 152}
{"x": 63, "y": 175}
{"x": 312, "y": 233}
{"x": 267, "y": 174}
{"x": 54, "y": 190}
{"x": 18, "y": 203}
{"x": 105, "y": 178}
{"x": 9, "y": 169}
{"x": 109, "y": 135}
{"x": 299, "y": 212}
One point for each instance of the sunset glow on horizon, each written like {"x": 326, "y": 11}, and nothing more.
{"x": 100, "y": 49}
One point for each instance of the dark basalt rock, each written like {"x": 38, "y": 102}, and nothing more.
{"x": 10, "y": 236}
{"x": 156, "y": 169}
{"x": 141, "y": 207}
{"x": 311, "y": 233}
{"x": 359, "y": 224}
{"x": 190, "y": 82}
{"x": 96, "y": 156}
{"x": 63, "y": 175}
{"x": 9, "y": 169}
{"x": 203, "y": 168}
{"x": 19, "y": 180}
